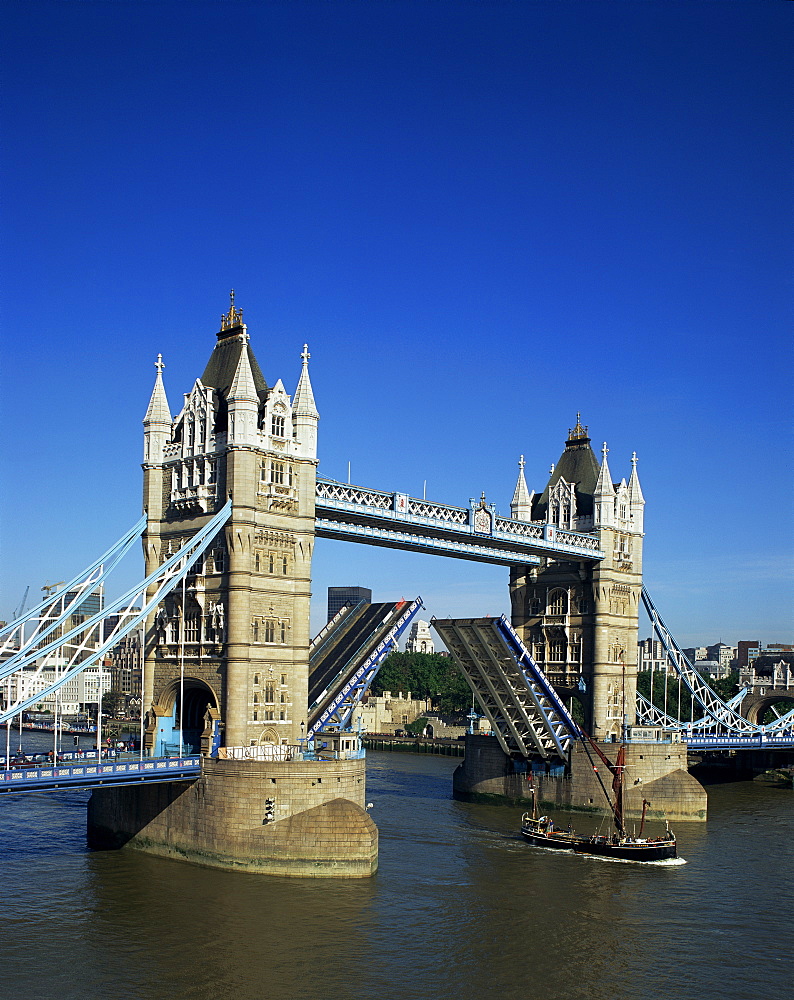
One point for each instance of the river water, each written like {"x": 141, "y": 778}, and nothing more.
{"x": 460, "y": 907}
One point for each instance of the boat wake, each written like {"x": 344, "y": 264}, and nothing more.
{"x": 661, "y": 863}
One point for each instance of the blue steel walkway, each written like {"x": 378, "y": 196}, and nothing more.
{"x": 95, "y": 774}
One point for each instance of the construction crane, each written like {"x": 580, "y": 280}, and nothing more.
{"x": 23, "y": 604}
{"x": 49, "y": 587}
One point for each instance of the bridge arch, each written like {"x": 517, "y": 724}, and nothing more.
{"x": 187, "y": 708}
{"x": 782, "y": 701}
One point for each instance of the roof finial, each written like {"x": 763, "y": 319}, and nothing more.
{"x": 305, "y": 354}
{"x": 634, "y": 459}
{"x": 234, "y": 317}
{"x": 578, "y": 432}
{"x": 159, "y": 364}
{"x": 604, "y": 450}
{"x": 521, "y": 463}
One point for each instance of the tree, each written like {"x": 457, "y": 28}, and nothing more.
{"x": 113, "y": 702}
{"x": 427, "y": 676}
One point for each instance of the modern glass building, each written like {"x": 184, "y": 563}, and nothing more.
{"x": 338, "y": 597}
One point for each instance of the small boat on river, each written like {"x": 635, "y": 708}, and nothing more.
{"x": 543, "y": 833}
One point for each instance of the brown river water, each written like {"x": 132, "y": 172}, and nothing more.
{"x": 460, "y": 907}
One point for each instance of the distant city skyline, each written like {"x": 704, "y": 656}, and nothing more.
{"x": 483, "y": 219}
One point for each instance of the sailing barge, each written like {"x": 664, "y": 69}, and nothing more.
{"x": 543, "y": 833}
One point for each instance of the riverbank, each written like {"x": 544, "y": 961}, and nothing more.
{"x": 414, "y": 744}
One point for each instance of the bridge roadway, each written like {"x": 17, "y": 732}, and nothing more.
{"x": 368, "y": 622}
{"x": 396, "y": 520}
{"x": 48, "y": 778}
{"x": 345, "y": 658}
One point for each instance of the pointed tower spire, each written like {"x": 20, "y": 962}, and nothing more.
{"x": 158, "y": 411}
{"x": 157, "y": 422}
{"x": 636, "y": 499}
{"x": 604, "y": 496}
{"x": 243, "y": 401}
{"x": 304, "y": 411}
{"x": 521, "y": 504}
{"x": 303, "y": 404}
{"x": 635, "y": 490}
{"x": 243, "y": 387}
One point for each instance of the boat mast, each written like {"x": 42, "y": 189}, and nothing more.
{"x": 645, "y": 804}
{"x": 617, "y": 783}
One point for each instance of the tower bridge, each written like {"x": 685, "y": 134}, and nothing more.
{"x": 233, "y": 508}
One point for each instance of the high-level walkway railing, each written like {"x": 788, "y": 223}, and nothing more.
{"x": 396, "y": 520}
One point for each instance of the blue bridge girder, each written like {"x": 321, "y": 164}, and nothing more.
{"x": 396, "y": 520}
{"x": 525, "y": 712}
{"x": 722, "y": 725}
{"x": 94, "y": 775}
{"x": 170, "y": 573}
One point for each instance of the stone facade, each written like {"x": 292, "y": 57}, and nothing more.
{"x": 386, "y": 713}
{"x": 420, "y": 639}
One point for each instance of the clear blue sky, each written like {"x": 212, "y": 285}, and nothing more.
{"x": 483, "y": 217}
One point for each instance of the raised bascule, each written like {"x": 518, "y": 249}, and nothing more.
{"x": 271, "y": 778}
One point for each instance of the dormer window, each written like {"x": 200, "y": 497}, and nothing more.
{"x": 277, "y": 425}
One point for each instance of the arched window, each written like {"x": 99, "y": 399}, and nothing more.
{"x": 558, "y": 603}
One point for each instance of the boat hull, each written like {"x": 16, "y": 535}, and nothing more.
{"x": 625, "y": 849}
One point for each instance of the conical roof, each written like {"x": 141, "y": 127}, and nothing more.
{"x": 225, "y": 361}
{"x": 243, "y": 386}
{"x": 577, "y": 465}
{"x": 303, "y": 404}
{"x": 521, "y": 502}
{"x": 158, "y": 410}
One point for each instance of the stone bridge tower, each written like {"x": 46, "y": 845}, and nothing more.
{"x": 227, "y": 654}
{"x": 578, "y": 619}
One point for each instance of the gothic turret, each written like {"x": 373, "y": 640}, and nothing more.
{"x": 636, "y": 499}
{"x": 157, "y": 422}
{"x": 305, "y": 415}
{"x": 579, "y": 617}
{"x": 521, "y": 504}
{"x": 242, "y": 401}
{"x": 243, "y": 618}
{"x": 604, "y": 497}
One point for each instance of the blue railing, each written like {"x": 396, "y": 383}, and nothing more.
{"x": 93, "y": 774}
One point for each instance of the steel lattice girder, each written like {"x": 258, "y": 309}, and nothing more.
{"x": 164, "y": 579}
{"x": 523, "y": 715}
